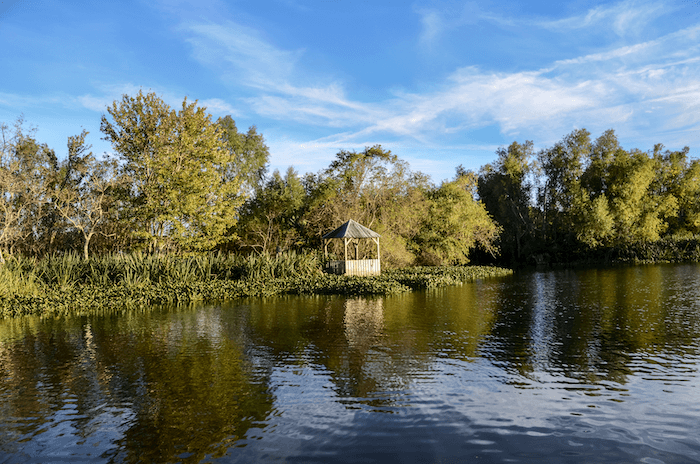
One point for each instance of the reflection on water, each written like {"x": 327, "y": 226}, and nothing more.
{"x": 564, "y": 366}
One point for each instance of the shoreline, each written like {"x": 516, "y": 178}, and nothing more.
{"x": 87, "y": 298}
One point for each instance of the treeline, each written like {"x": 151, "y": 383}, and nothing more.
{"x": 592, "y": 200}
{"x": 179, "y": 181}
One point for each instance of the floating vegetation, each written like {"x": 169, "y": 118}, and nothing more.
{"x": 67, "y": 284}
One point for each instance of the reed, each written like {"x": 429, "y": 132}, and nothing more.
{"x": 67, "y": 284}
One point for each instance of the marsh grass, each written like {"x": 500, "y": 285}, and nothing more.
{"x": 67, "y": 284}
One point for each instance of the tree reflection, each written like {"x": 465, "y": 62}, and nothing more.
{"x": 188, "y": 384}
{"x": 371, "y": 346}
{"x": 589, "y": 324}
{"x": 177, "y": 385}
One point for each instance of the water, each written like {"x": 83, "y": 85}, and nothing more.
{"x": 559, "y": 366}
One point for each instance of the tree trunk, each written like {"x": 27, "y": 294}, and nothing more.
{"x": 85, "y": 245}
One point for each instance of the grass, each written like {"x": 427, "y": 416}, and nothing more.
{"x": 67, "y": 284}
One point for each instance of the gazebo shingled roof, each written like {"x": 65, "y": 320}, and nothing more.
{"x": 352, "y": 229}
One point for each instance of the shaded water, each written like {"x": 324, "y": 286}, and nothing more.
{"x": 562, "y": 366}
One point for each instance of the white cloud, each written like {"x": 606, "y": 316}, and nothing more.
{"x": 218, "y": 106}
{"x": 631, "y": 88}
{"x": 615, "y": 92}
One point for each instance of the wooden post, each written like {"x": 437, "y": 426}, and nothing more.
{"x": 345, "y": 242}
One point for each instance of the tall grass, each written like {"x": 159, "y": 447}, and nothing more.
{"x": 66, "y": 271}
{"x": 16, "y": 280}
{"x": 67, "y": 284}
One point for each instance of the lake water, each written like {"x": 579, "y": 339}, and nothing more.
{"x": 558, "y": 366}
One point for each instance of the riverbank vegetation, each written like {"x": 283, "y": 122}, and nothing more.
{"x": 585, "y": 200}
{"x": 179, "y": 183}
{"x": 69, "y": 284}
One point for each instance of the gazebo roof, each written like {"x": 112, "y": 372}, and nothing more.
{"x": 352, "y": 229}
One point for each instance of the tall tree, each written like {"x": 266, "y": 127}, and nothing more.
{"x": 375, "y": 188}
{"x": 84, "y": 194}
{"x": 561, "y": 195}
{"x": 505, "y": 188}
{"x": 455, "y": 224}
{"x": 24, "y": 168}
{"x": 627, "y": 196}
{"x": 248, "y": 153}
{"x": 270, "y": 218}
{"x": 175, "y": 164}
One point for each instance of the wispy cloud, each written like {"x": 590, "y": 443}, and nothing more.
{"x": 625, "y": 18}
{"x": 629, "y": 16}
{"x": 627, "y": 87}
{"x": 436, "y": 23}
{"x": 647, "y": 89}
{"x": 238, "y": 48}
{"x": 218, "y": 106}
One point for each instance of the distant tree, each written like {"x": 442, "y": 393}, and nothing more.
{"x": 560, "y": 196}
{"x": 24, "y": 168}
{"x": 375, "y": 188}
{"x": 627, "y": 196}
{"x": 678, "y": 176}
{"x": 505, "y": 188}
{"x": 269, "y": 219}
{"x": 248, "y": 153}
{"x": 84, "y": 194}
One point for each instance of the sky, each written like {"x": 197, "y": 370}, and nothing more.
{"x": 439, "y": 83}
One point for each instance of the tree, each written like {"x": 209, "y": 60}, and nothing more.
{"x": 455, "y": 224}
{"x": 270, "y": 218}
{"x": 177, "y": 168}
{"x": 84, "y": 194}
{"x": 561, "y": 195}
{"x": 375, "y": 188}
{"x": 505, "y": 188}
{"x": 249, "y": 154}
{"x": 24, "y": 168}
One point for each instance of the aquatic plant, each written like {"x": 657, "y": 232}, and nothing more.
{"x": 68, "y": 284}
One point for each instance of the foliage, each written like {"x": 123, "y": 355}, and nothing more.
{"x": 84, "y": 192}
{"x": 179, "y": 192}
{"x": 24, "y": 171}
{"x": 270, "y": 219}
{"x": 455, "y": 224}
{"x": 505, "y": 188}
{"x": 249, "y": 152}
{"x": 180, "y": 183}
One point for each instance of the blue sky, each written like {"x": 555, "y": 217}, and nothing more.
{"x": 439, "y": 83}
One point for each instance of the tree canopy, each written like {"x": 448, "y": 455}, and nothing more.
{"x": 182, "y": 188}
{"x": 178, "y": 181}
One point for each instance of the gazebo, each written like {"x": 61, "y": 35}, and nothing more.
{"x": 351, "y": 233}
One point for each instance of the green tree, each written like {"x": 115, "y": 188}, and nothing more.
{"x": 270, "y": 218}
{"x": 249, "y": 153}
{"x": 561, "y": 196}
{"x": 455, "y": 224}
{"x": 25, "y": 166}
{"x": 175, "y": 165}
{"x": 375, "y": 188}
{"x": 84, "y": 194}
{"x": 505, "y": 188}
{"x": 627, "y": 196}
{"x": 679, "y": 177}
